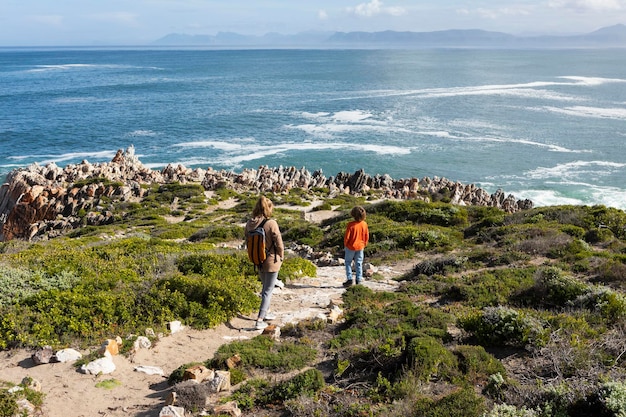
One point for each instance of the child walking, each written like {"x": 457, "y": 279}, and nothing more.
{"x": 355, "y": 240}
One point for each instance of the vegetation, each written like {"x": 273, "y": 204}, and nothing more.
{"x": 502, "y": 314}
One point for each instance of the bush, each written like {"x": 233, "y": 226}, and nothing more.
{"x": 264, "y": 353}
{"x": 476, "y": 364}
{"x": 428, "y": 358}
{"x": 296, "y": 267}
{"x": 505, "y": 410}
{"x": 306, "y": 383}
{"x": 463, "y": 402}
{"x": 503, "y": 326}
{"x": 554, "y": 288}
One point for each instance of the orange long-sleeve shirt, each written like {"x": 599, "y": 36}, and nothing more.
{"x": 357, "y": 235}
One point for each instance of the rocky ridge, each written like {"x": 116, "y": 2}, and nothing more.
{"x": 46, "y": 201}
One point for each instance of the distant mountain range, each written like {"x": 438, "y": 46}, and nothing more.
{"x": 608, "y": 37}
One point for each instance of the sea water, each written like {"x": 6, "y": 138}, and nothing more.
{"x": 548, "y": 125}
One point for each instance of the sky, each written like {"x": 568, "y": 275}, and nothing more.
{"x": 138, "y": 22}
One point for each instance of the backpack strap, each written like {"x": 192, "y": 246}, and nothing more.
{"x": 273, "y": 243}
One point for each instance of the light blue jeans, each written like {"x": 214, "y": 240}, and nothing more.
{"x": 357, "y": 257}
{"x": 269, "y": 282}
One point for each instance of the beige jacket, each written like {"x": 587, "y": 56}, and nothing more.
{"x": 274, "y": 242}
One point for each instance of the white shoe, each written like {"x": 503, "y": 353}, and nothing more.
{"x": 279, "y": 284}
{"x": 260, "y": 325}
{"x": 270, "y": 316}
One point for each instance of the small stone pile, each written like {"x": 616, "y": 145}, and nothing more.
{"x": 38, "y": 202}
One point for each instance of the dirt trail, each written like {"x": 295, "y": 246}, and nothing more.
{"x": 70, "y": 393}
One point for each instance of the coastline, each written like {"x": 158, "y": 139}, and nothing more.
{"x": 40, "y": 199}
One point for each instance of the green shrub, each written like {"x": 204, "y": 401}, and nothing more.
{"x": 218, "y": 233}
{"x": 303, "y": 233}
{"x": 503, "y": 326}
{"x": 439, "y": 214}
{"x": 505, "y": 410}
{"x": 476, "y": 364}
{"x": 440, "y": 265}
{"x": 554, "y": 288}
{"x": 296, "y": 267}
{"x": 264, "y": 353}
{"x": 463, "y": 402}
{"x": 306, "y": 383}
{"x": 428, "y": 358}
{"x": 611, "y": 397}
{"x": 8, "y": 405}
{"x": 490, "y": 288}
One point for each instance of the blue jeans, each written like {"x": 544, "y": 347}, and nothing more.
{"x": 357, "y": 256}
{"x": 269, "y": 282}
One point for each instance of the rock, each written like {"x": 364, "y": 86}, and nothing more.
{"x": 111, "y": 346}
{"x": 233, "y": 361}
{"x": 198, "y": 373}
{"x": 230, "y": 408}
{"x": 272, "y": 331}
{"x": 33, "y": 198}
{"x": 142, "y": 342}
{"x": 221, "y": 381}
{"x": 149, "y": 370}
{"x": 33, "y": 384}
{"x": 172, "y": 411}
{"x": 191, "y": 395}
{"x": 335, "y": 314}
{"x": 43, "y": 355}
{"x": 174, "y": 326}
{"x": 25, "y": 407}
{"x": 102, "y": 365}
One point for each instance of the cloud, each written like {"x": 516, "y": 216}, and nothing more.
{"x": 496, "y": 13}
{"x": 322, "y": 15}
{"x": 588, "y": 5}
{"x": 374, "y": 8}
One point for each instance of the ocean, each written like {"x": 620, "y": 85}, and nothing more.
{"x": 547, "y": 125}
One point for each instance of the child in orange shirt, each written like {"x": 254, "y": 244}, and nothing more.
{"x": 355, "y": 240}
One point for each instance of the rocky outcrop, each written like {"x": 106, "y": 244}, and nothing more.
{"x": 280, "y": 180}
{"x": 38, "y": 202}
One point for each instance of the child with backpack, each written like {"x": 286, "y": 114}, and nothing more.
{"x": 266, "y": 250}
{"x": 355, "y": 240}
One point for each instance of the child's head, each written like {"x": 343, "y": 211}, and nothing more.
{"x": 358, "y": 213}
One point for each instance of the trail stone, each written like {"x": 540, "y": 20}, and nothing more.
{"x": 67, "y": 355}
{"x": 102, "y": 365}
{"x": 43, "y": 355}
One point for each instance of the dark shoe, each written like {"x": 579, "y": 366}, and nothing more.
{"x": 347, "y": 284}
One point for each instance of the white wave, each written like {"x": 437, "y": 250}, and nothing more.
{"x": 542, "y": 198}
{"x": 592, "y": 81}
{"x": 317, "y": 115}
{"x": 534, "y": 89}
{"x": 351, "y": 116}
{"x": 142, "y": 132}
{"x": 237, "y": 154}
{"x": 590, "y": 195}
{"x": 594, "y": 112}
{"x": 235, "y": 144}
{"x": 329, "y": 130}
{"x": 45, "y": 159}
{"x": 549, "y": 146}
{"x": 576, "y": 169}
{"x": 67, "y": 67}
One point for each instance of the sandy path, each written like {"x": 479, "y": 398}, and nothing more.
{"x": 71, "y": 393}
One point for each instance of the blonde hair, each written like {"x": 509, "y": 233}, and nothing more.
{"x": 263, "y": 207}
{"x": 358, "y": 213}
